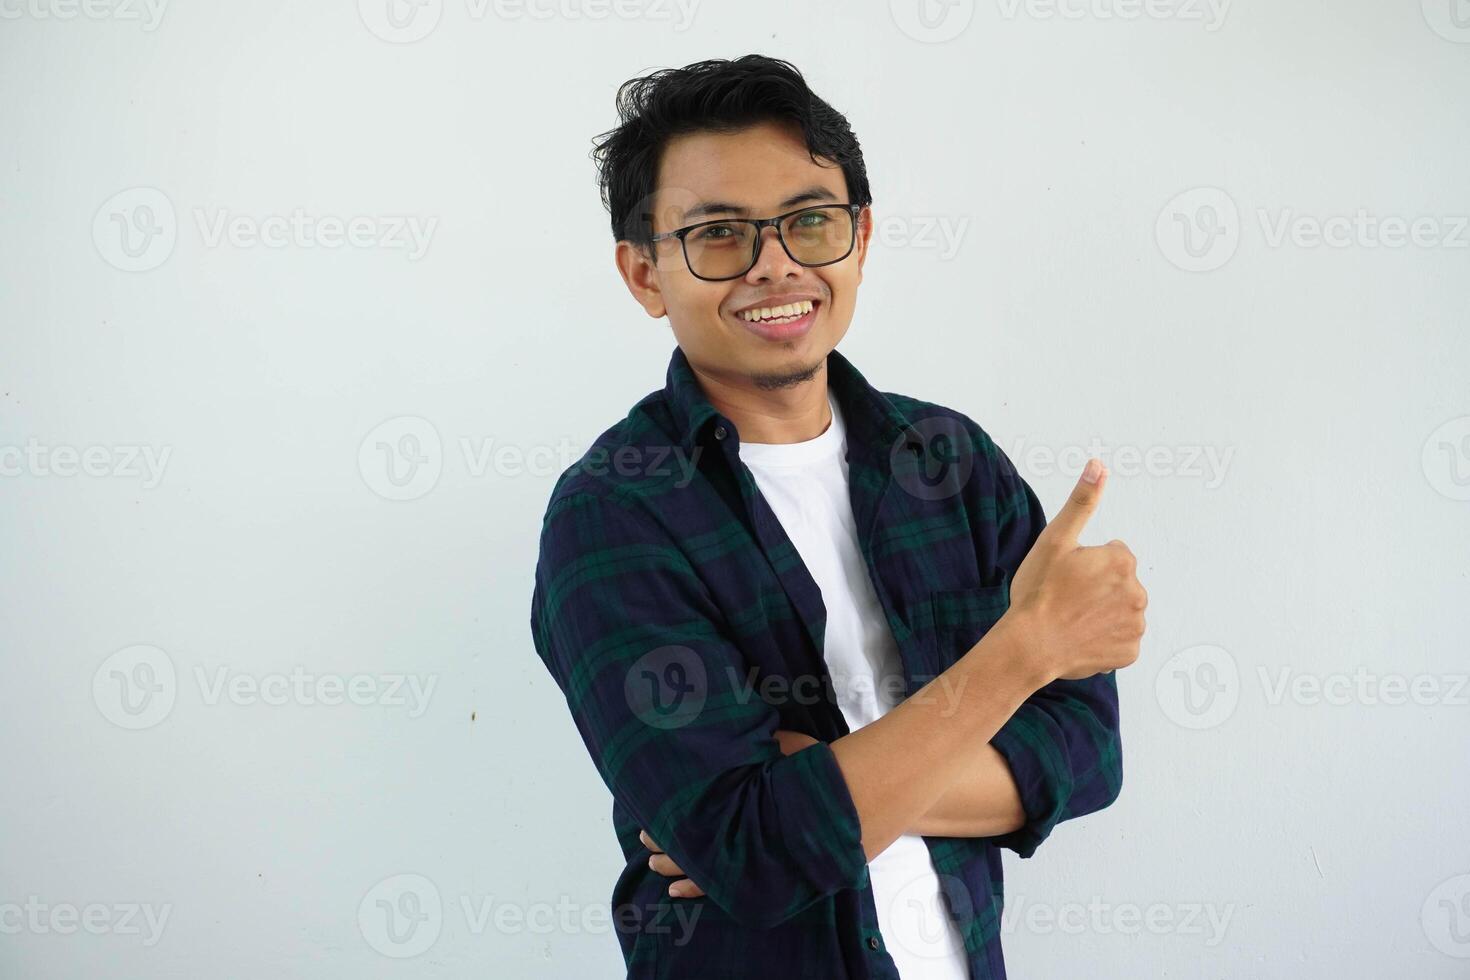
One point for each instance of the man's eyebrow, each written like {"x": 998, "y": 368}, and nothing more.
{"x": 813, "y": 193}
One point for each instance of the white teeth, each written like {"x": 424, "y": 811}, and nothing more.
{"x": 769, "y": 312}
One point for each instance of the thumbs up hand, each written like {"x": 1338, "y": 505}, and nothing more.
{"x": 1082, "y": 607}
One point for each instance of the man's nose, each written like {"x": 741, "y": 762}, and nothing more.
{"x": 771, "y": 259}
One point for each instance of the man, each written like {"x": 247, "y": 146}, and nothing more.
{"x": 790, "y": 613}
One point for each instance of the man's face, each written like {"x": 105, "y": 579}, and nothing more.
{"x": 767, "y": 170}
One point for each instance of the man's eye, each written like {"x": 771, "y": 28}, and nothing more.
{"x": 714, "y": 233}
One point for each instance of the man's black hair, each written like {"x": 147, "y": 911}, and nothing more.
{"x": 718, "y": 95}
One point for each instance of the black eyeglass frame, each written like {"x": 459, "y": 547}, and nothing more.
{"x": 760, "y": 227}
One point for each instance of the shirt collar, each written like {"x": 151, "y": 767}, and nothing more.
{"x": 874, "y": 424}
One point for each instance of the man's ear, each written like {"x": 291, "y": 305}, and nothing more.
{"x": 864, "y": 233}
{"x": 637, "y": 267}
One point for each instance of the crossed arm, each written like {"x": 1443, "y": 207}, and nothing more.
{"x": 619, "y": 609}
{"x": 984, "y": 803}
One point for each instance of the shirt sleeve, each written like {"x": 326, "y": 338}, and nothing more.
{"x": 661, "y": 698}
{"x": 1062, "y": 744}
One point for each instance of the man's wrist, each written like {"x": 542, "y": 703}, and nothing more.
{"x": 1018, "y": 639}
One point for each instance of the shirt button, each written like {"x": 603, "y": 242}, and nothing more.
{"x": 719, "y": 432}
{"x": 872, "y": 942}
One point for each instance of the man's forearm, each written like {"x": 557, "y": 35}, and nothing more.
{"x": 983, "y": 802}
{"x": 898, "y": 768}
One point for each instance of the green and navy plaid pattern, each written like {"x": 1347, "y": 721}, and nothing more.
{"x": 683, "y": 629}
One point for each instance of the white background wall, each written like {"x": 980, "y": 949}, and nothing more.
{"x": 1325, "y": 544}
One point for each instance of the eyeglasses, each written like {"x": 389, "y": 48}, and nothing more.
{"x": 726, "y": 248}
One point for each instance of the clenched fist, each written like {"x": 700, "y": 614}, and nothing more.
{"x": 1081, "y": 607}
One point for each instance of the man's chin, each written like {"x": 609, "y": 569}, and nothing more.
{"x": 795, "y": 371}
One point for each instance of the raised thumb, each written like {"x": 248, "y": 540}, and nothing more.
{"x": 1067, "y": 525}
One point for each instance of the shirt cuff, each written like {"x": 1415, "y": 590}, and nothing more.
{"x": 1042, "y": 773}
{"x": 829, "y": 839}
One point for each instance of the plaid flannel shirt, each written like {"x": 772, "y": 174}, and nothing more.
{"x": 683, "y": 629}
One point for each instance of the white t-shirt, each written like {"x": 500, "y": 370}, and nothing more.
{"x": 806, "y": 485}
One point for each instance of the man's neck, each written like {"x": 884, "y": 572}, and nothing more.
{"x": 796, "y": 413}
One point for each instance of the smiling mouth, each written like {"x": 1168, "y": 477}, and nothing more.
{"x": 782, "y": 323}
{"x": 786, "y": 313}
